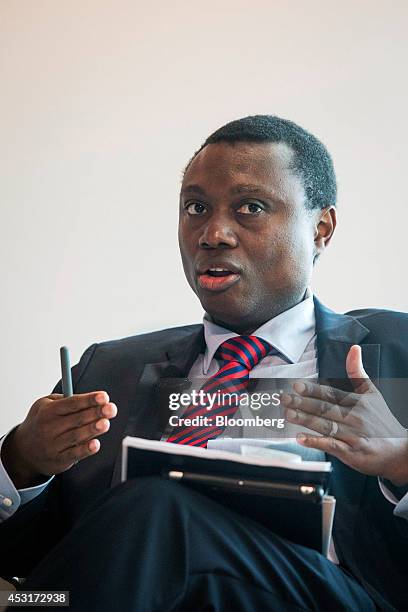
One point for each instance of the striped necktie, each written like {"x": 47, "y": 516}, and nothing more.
{"x": 240, "y": 355}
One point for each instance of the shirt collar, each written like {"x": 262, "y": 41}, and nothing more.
{"x": 289, "y": 333}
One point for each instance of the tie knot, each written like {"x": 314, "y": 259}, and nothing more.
{"x": 246, "y": 350}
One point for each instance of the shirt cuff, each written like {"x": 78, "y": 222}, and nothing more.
{"x": 10, "y": 497}
{"x": 387, "y": 493}
{"x": 401, "y": 505}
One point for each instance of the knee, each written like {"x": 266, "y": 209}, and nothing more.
{"x": 149, "y": 490}
{"x": 139, "y": 496}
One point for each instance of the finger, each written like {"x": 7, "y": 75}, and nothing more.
{"x": 319, "y": 425}
{"x": 85, "y": 417}
{"x": 330, "y": 445}
{"x": 74, "y": 403}
{"x": 76, "y": 453}
{"x": 316, "y": 407}
{"x": 355, "y": 371}
{"x": 82, "y": 434}
{"x": 323, "y": 392}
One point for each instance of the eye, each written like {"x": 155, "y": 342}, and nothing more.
{"x": 195, "y": 208}
{"x": 250, "y": 208}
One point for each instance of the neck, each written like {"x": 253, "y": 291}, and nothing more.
{"x": 247, "y": 327}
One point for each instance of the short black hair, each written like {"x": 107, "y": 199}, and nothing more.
{"x": 311, "y": 160}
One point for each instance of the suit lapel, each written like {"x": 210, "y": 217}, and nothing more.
{"x": 336, "y": 333}
{"x": 182, "y": 355}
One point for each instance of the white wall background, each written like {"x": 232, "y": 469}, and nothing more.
{"x": 103, "y": 102}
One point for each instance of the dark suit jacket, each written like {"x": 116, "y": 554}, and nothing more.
{"x": 370, "y": 541}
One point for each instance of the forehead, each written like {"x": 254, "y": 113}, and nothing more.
{"x": 268, "y": 165}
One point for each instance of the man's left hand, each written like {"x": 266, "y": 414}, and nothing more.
{"x": 358, "y": 427}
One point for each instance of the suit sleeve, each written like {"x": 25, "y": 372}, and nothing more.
{"x": 37, "y": 526}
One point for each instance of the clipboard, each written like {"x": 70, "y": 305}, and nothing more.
{"x": 291, "y": 501}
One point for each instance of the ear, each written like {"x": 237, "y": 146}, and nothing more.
{"x": 324, "y": 229}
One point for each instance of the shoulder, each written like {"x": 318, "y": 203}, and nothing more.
{"x": 151, "y": 342}
{"x": 112, "y": 357}
{"x": 162, "y": 337}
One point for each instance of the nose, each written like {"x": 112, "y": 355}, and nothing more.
{"x": 218, "y": 233}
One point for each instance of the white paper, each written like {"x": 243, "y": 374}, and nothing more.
{"x": 328, "y": 508}
{"x": 205, "y": 453}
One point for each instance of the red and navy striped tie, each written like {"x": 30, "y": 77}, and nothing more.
{"x": 240, "y": 355}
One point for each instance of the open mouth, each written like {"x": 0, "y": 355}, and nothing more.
{"x": 217, "y": 278}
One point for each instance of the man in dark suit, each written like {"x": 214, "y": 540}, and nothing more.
{"x": 257, "y": 208}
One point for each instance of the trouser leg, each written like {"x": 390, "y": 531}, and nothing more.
{"x": 154, "y": 545}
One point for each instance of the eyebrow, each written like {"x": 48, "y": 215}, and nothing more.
{"x": 193, "y": 189}
{"x": 242, "y": 188}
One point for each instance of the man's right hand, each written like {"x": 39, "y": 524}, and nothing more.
{"x": 57, "y": 432}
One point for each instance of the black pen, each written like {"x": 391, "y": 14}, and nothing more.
{"x": 67, "y": 389}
